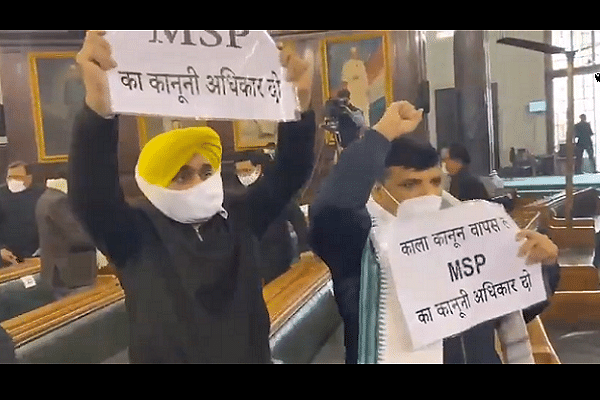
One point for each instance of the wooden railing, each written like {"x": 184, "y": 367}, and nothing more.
{"x": 578, "y": 297}
{"x": 29, "y": 267}
{"x": 284, "y": 297}
{"x": 35, "y": 324}
{"x": 543, "y": 352}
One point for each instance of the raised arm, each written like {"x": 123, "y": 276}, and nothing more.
{"x": 295, "y": 152}
{"x": 293, "y": 166}
{"x": 339, "y": 209}
{"x": 95, "y": 193}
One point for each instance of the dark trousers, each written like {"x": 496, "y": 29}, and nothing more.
{"x": 579, "y": 150}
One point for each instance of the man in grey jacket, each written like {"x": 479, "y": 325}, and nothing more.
{"x": 68, "y": 255}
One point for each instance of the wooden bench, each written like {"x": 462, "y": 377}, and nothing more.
{"x": 30, "y": 326}
{"x": 573, "y": 308}
{"x": 303, "y": 311}
{"x": 543, "y": 352}
{"x": 577, "y": 244}
{"x": 578, "y": 297}
{"x": 92, "y": 327}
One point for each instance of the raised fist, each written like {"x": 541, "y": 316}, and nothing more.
{"x": 399, "y": 119}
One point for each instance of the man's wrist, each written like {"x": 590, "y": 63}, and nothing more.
{"x": 386, "y": 133}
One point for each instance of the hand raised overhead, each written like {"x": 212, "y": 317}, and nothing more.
{"x": 299, "y": 73}
{"x": 399, "y": 119}
{"x": 95, "y": 59}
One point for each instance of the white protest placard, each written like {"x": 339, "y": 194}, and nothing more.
{"x": 458, "y": 268}
{"x": 224, "y": 74}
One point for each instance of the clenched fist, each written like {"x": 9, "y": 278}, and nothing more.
{"x": 400, "y": 119}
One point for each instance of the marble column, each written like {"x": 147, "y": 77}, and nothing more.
{"x": 473, "y": 87}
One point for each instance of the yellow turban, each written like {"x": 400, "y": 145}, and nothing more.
{"x": 163, "y": 157}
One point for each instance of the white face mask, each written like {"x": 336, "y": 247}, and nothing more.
{"x": 249, "y": 180}
{"x": 58, "y": 184}
{"x": 193, "y": 206}
{"x": 16, "y": 186}
{"x": 417, "y": 206}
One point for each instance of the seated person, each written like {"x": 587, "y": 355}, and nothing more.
{"x": 18, "y": 228}
{"x": 464, "y": 186}
{"x": 287, "y": 237}
{"x": 68, "y": 254}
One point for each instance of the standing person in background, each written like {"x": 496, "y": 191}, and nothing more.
{"x": 584, "y": 135}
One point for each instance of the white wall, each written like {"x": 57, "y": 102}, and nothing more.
{"x": 520, "y": 77}
{"x": 440, "y": 71}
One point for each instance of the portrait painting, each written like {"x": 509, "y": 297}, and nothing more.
{"x": 150, "y": 127}
{"x": 58, "y": 96}
{"x": 254, "y": 135}
{"x": 359, "y": 65}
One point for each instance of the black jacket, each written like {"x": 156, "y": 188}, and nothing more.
{"x": 466, "y": 187}
{"x": 18, "y": 226}
{"x": 584, "y": 133}
{"x": 192, "y": 297}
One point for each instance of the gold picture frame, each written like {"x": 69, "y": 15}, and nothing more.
{"x": 255, "y": 135}
{"x": 363, "y": 60}
{"x": 58, "y": 95}
{"x": 151, "y": 126}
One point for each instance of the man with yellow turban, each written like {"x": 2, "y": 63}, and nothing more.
{"x": 186, "y": 258}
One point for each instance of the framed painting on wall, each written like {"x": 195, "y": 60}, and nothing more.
{"x": 255, "y": 135}
{"x": 151, "y": 126}
{"x": 359, "y": 64}
{"x": 58, "y": 95}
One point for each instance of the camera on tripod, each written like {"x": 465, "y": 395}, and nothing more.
{"x": 343, "y": 119}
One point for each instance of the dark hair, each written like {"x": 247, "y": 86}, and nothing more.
{"x": 17, "y": 164}
{"x": 344, "y": 94}
{"x": 460, "y": 153}
{"x": 60, "y": 172}
{"x": 411, "y": 154}
{"x": 255, "y": 157}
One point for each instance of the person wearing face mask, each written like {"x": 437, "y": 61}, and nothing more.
{"x": 18, "y": 228}
{"x": 287, "y": 237}
{"x": 185, "y": 255}
{"x": 383, "y": 176}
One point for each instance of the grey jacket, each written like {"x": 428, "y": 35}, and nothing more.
{"x": 68, "y": 255}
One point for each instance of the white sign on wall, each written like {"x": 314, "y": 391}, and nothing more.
{"x": 222, "y": 74}
{"x": 459, "y": 269}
